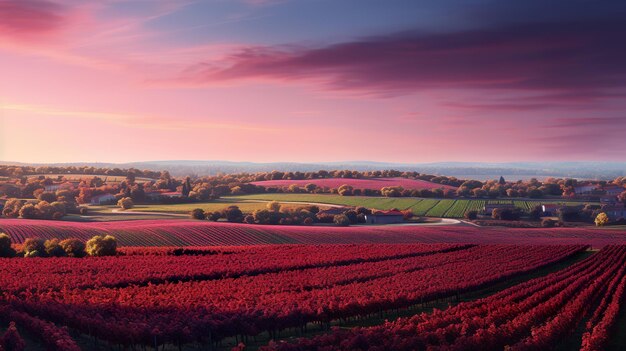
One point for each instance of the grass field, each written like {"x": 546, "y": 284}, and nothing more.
{"x": 447, "y": 208}
{"x": 218, "y": 205}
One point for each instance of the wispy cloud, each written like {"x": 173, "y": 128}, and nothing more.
{"x": 137, "y": 120}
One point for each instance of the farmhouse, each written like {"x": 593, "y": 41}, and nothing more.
{"x": 585, "y": 189}
{"x": 103, "y": 199}
{"x": 384, "y": 217}
{"x": 615, "y": 212}
{"x": 488, "y": 209}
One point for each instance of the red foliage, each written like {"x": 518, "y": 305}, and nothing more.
{"x": 534, "y": 315}
{"x": 181, "y": 299}
{"x": 204, "y": 233}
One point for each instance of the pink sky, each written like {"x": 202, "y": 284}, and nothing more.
{"x": 119, "y": 81}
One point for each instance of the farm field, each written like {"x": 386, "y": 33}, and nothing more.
{"x": 216, "y": 205}
{"x": 175, "y": 232}
{"x": 80, "y": 177}
{"x": 358, "y": 183}
{"x": 447, "y": 208}
{"x": 577, "y": 308}
{"x": 228, "y": 295}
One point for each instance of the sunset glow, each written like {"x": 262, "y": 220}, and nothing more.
{"x": 309, "y": 81}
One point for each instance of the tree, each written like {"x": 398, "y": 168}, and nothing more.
{"x": 34, "y": 247}
{"x": 501, "y": 181}
{"x": 601, "y": 219}
{"x": 11, "y": 340}
{"x": 5, "y": 246}
{"x": 102, "y": 246}
{"x": 233, "y": 214}
{"x": 310, "y": 187}
{"x": 249, "y": 219}
{"x": 345, "y": 190}
{"x": 53, "y": 248}
{"x": 198, "y": 213}
{"x": 29, "y": 211}
{"x": 341, "y": 220}
{"x": 273, "y": 206}
{"x": 73, "y": 247}
{"x": 47, "y": 196}
{"x": 186, "y": 186}
{"x": 125, "y": 203}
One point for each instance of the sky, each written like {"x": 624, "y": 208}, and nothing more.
{"x": 312, "y": 80}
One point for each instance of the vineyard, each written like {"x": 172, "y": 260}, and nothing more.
{"x": 574, "y": 308}
{"x": 446, "y": 208}
{"x": 157, "y": 298}
{"x": 204, "y": 233}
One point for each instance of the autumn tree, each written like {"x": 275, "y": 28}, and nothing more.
{"x": 198, "y": 213}
{"x": 273, "y": 206}
{"x": 73, "y": 247}
{"x": 34, "y": 247}
{"x": 341, "y": 220}
{"x": 601, "y": 219}
{"x": 102, "y": 246}
{"x": 125, "y": 203}
{"x": 233, "y": 214}
{"x": 5, "y": 246}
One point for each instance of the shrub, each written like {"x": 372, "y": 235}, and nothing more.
{"x": 308, "y": 221}
{"x": 102, "y": 246}
{"x": 341, "y": 220}
{"x": 53, "y": 248}
{"x": 125, "y": 203}
{"x": 471, "y": 215}
{"x": 198, "y": 213}
{"x": 73, "y": 247}
{"x": 84, "y": 211}
{"x": 548, "y": 223}
{"x": 34, "y": 247}
{"x": 5, "y": 246}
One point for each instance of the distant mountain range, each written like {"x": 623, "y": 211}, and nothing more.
{"x": 476, "y": 170}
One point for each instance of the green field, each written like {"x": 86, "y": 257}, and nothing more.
{"x": 212, "y": 206}
{"x": 447, "y": 208}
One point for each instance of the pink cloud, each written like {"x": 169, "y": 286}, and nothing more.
{"x": 29, "y": 19}
{"x": 583, "y": 58}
